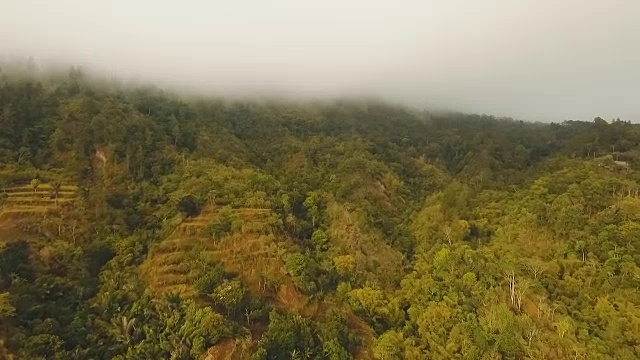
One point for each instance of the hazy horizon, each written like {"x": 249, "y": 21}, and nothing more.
{"x": 532, "y": 60}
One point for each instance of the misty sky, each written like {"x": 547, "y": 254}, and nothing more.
{"x": 547, "y": 60}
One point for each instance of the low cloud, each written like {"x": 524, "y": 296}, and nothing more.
{"x": 536, "y": 60}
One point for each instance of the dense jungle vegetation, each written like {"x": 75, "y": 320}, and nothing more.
{"x": 136, "y": 224}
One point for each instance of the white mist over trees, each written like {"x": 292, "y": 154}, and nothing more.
{"x": 536, "y": 60}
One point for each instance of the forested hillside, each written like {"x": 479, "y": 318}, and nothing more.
{"x": 136, "y": 224}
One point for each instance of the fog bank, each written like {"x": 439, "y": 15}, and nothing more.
{"x": 536, "y": 60}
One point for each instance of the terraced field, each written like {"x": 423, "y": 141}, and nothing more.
{"x": 175, "y": 263}
{"x": 25, "y": 200}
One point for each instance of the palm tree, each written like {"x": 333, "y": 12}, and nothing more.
{"x": 174, "y": 301}
{"x": 125, "y": 328}
{"x": 295, "y": 355}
